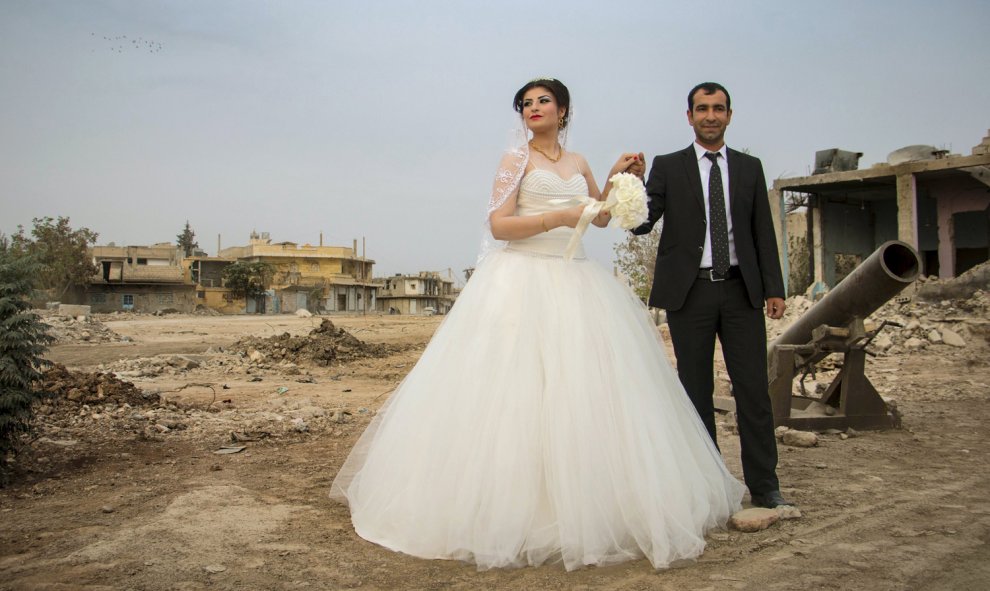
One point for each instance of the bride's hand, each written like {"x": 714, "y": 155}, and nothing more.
{"x": 571, "y": 216}
{"x": 625, "y": 162}
{"x": 638, "y": 167}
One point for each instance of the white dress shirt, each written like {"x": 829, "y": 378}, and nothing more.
{"x": 705, "y": 169}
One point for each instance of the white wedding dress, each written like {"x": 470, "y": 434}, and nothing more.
{"x": 543, "y": 422}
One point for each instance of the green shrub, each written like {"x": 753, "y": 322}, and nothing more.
{"x": 23, "y": 340}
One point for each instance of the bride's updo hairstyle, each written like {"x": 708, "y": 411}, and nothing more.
{"x": 556, "y": 88}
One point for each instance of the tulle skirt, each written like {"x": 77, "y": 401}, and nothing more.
{"x": 543, "y": 422}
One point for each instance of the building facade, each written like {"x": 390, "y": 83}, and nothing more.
{"x": 938, "y": 203}
{"x": 424, "y": 293}
{"x": 318, "y": 278}
{"x": 139, "y": 279}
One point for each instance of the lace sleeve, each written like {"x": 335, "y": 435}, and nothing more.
{"x": 506, "y": 185}
{"x": 507, "y": 178}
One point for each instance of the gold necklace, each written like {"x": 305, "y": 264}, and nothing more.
{"x": 547, "y": 156}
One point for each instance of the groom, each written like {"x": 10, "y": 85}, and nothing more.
{"x": 716, "y": 268}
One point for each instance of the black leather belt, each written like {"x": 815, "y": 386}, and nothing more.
{"x": 709, "y": 274}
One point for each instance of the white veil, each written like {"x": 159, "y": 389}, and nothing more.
{"x": 507, "y": 178}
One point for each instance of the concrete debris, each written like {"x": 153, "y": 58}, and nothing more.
{"x": 950, "y": 337}
{"x": 796, "y": 438}
{"x": 753, "y": 520}
{"x": 323, "y": 346}
{"x": 788, "y": 512}
{"x": 82, "y": 387}
{"x": 70, "y": 330}
{"x": 932, "y": 313}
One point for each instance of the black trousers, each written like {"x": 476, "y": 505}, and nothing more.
{"x": 722, "y": 309}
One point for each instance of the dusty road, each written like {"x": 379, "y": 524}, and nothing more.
{"x": 115, "y": 496}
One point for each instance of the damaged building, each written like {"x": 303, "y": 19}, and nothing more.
{"x": 424, "y": 293}
{"x": 937, "y": 202}
{"x": 318, "y": 278}
{"x": 139, "y": 279}
{"x": 332, "y": 279}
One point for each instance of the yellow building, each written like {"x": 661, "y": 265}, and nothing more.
{"x": 319, "y": 278}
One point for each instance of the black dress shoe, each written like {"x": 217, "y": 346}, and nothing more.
{"x": 770, "y": 500}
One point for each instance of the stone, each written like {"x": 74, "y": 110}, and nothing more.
{"x": 779, "y": 432}
{"x": 800, "y": 438}
{"x": 934, "y": 337}
{"x": 788, "y": 512}
{"x": 214, "y": 568}
{"x": 951, "y": 337}
{"x": 753, "y": 520}
{"x": 107, "y": 509}
{"x": 300, "y": 425}
{"x": 256, "y": 356}
{"x": 883, "y": 342}
{"x": 73, "y": 311}
{"x": 303, "y": 313}
{"x": 914, "y": 343}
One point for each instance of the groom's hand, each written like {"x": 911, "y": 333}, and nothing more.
{"x": 775, "y": 308}
{"x": 638, "y": 167}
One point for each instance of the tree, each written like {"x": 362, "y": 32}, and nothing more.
{"x": 60, "y": 252}
{"x": 23, "y": 340}
{"x": 187, "y": 240}
{"x": 247, "y": 280}
{"x": 636, "y": 258}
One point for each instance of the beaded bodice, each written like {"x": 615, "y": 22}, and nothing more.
{"x": 542, "y": 191}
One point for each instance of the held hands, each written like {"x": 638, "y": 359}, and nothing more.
{"x": 638, "y": 167}
{"x": 629, "y": 162}
{"x": 775, "y": 308}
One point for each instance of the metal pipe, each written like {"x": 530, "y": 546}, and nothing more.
{"x": 884, "y": 274}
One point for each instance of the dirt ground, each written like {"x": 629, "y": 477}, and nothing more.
{"x": 132, "y": 495}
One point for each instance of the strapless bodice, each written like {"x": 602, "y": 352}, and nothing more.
{"x": 542, "y": 191}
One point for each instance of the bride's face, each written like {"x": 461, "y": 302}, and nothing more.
{"x": 540, "y": 110}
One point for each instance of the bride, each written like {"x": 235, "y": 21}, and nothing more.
{"x": 544, "y": 421}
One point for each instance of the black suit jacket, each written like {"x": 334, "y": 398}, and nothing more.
{"x": 674, "y": 188}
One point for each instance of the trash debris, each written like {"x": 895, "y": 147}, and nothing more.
{"x": 230, "y": 449}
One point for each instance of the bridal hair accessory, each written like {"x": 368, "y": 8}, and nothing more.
{"x": 543, "y": 79}
{"x": 626, "y": 202}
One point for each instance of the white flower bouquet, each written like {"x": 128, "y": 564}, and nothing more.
{"x": 627, "y": 201}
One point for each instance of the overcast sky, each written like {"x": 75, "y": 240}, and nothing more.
{"x": 384, "y": 120}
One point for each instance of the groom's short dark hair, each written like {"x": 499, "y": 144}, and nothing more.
{"x": 709, "y": 88}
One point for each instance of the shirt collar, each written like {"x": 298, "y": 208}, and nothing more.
{"x": 700, "y": 151}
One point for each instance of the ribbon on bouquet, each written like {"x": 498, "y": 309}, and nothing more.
{"x": 592, "y": 207}
{"x": 628, "y": 198}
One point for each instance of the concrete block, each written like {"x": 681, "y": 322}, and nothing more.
{"x": 72, "y": 311}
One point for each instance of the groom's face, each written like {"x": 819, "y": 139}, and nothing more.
{"x": 709, "y": 118}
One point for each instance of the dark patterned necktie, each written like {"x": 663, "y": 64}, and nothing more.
{"x": 716, "y": 212}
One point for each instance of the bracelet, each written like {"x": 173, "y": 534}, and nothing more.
{"x": 543, "y": 222}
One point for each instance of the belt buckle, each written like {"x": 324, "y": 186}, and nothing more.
{"x": 711, "y": 275}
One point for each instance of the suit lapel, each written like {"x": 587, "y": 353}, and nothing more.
{"x": 690, "y": 158}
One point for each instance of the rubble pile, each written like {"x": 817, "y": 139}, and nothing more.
{"x": 97, "y": 409}
{"x": 959, "y": 322}
{"x": 962, "y": 287}
{"x": 87, "y": 388}
{"x": 69, "y": 330}
{"x": 146, "y": 367}
{"x": 324, "y": 345}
